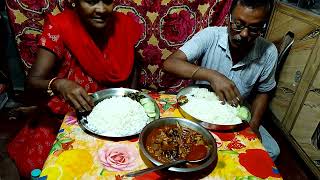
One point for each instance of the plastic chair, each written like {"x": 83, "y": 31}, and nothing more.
{"x": 283, "y": 50}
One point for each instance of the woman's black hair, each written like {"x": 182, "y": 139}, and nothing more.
{"x": 267, "y": 4}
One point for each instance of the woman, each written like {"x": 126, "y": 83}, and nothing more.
{"x": 81, "y": 50}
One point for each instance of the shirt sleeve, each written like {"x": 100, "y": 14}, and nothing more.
{"x": 198, "y": 44}
{"x": 50, "y": 38}
{"x": 267, "y": 79}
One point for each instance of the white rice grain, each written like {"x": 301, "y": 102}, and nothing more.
{"x": 117, "y": 116}
{"x": 205, "y": 106}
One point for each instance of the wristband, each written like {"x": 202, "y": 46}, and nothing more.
{"x": 195, "y": 71}
{"x": 49, "y": 90}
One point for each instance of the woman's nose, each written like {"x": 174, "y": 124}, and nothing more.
{"x": 101, "y": 7}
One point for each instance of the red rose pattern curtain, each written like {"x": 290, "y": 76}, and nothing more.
{"x": 168, "y": 24}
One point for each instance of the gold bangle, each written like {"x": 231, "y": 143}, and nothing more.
{"x": 195, "y": 71}
{"x": 49, "y": 90}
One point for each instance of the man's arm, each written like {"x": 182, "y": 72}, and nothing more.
{"x": 177, "y": 64}
{"x": 265, "y": 85}
{"x": 259, "y": 106}
{"x": 225, "y": 89}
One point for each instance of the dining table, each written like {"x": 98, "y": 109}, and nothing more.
{"x": 77, "y": 154}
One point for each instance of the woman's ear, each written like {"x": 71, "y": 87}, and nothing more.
{"x": 71, "y": 3}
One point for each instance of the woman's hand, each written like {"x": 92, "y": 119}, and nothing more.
{"x": 224, "y": 88}
{"x": 74, "y": 93}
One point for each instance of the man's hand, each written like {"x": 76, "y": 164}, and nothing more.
{"x": 224, "y": 88}
{"x": 74, "y": 93}
{"x": 255, "y": 129}
{"x": 259, "y": 106}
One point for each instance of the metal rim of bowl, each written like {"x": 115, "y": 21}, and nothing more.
{"x": 218, "y": 127}
{"x": 103, "y": 94}
{"x": 191, "y": 125}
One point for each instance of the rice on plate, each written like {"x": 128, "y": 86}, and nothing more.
{"x": 206, "y": 106}
{"x": 118, "y": 116}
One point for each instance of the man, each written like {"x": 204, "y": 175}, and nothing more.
{"x": 236, "y": 62}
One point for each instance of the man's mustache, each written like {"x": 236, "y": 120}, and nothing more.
{"x": 239, "y": 39}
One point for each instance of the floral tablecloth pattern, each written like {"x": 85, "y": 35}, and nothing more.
{"x": 78, "y": 155}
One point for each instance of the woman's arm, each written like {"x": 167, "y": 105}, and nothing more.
{"x": 42, "y": 72}
{"x": 134, "y": 76}
{"x": 39, "y": 75}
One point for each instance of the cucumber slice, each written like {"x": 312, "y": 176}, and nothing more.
{"x": 149, "y": 108}
{"x": 152, "y": 115}
{"x": 144, "y": 101}
{"x": 244, "y": 113}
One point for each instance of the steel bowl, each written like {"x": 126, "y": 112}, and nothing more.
{"x": 186, "y": 123}
{"x": 108, "y": 93}
{"x": 219, "y": 127}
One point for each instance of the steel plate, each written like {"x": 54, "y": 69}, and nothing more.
{"x": 108, "y": 93}
{"x": 186, "y": 123}
{"x": 207, "y": 125}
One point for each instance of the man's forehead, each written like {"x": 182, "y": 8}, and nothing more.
{"x": 249, "y": 15}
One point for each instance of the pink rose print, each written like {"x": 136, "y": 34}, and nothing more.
{"x": 178, "y": 26}
{"x": 70, "y": 120}
{"x": 152, "y": 55}
{"x": 119, "y": 157}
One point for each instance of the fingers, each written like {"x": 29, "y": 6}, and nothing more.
{"x": 80, "y": 103}
{"x": 236, "y": 97}
{"x": 84, "y": 103}
{"x": 75, "y": 103}
{"x": 77, "y": 95}
{"x": 228, "y": 92}
{"x": 80, "y": 100}
{"x": 229, "y": 96}
{"x": 219, "y": 92}
{"x": 87, "y": 98}
{"x": 221, "y": 96}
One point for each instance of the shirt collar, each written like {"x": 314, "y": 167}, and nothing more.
{"x": 252, "y": 56}
{"x": 223, "y": 41}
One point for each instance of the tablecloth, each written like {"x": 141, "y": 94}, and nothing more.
{"x": 78, "y": 155}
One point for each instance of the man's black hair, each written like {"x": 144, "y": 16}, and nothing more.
{"x": 267, "y": 4}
